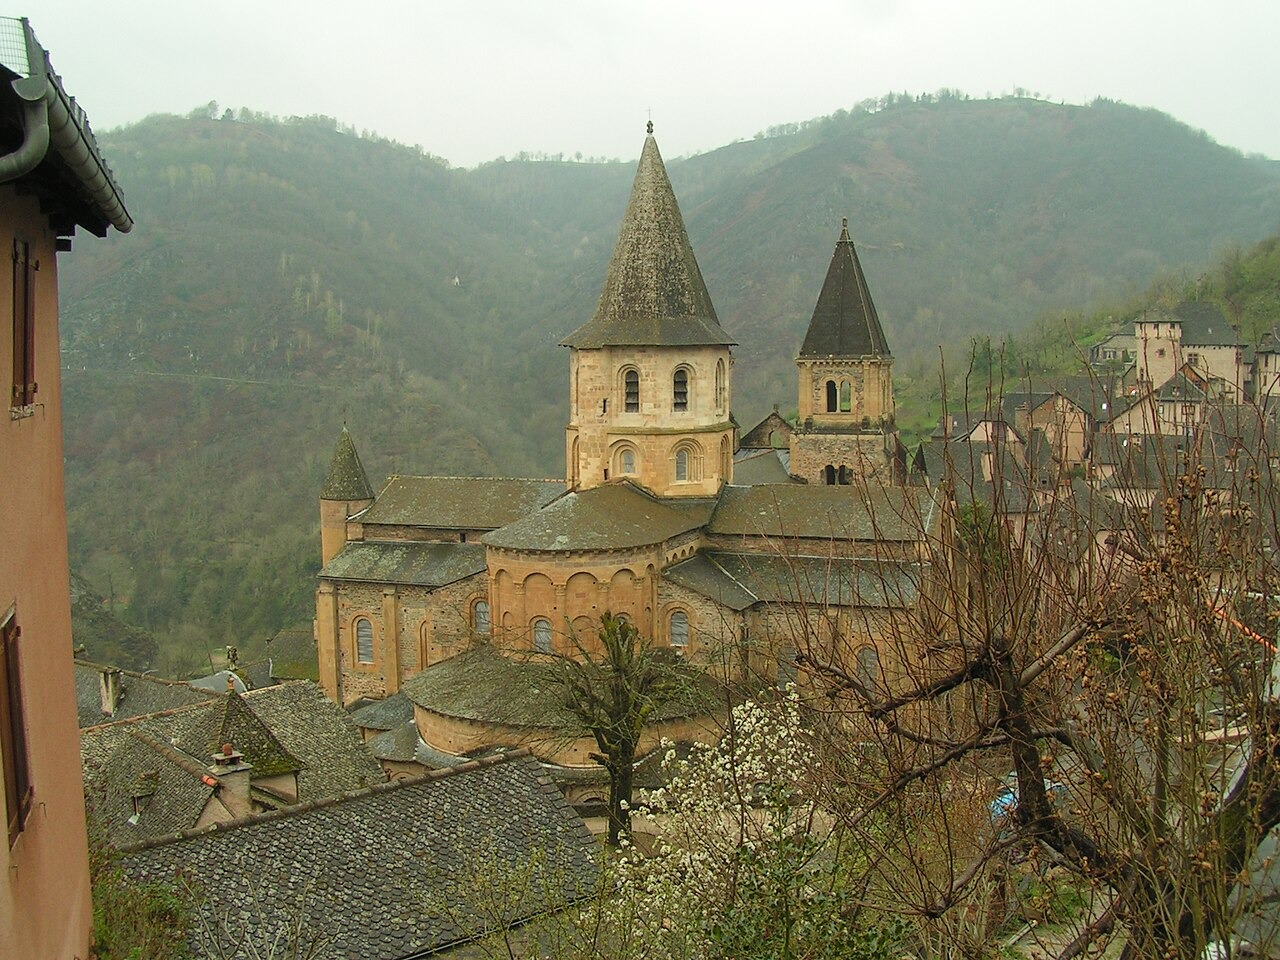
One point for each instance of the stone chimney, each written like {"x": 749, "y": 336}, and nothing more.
{"x": 110, "y": 691}
{"x": 233, "y": 775}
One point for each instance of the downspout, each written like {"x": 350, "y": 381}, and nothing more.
{"x": 33, "y": 92}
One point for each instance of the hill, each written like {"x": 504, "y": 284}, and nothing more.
{"x": 287, "y": 276}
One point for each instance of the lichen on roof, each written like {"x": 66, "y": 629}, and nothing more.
{"x": 458, "y": 503}
{"x": 346, "y": 479}
{"x": 654, "y": 294}
{"x": 845, "y": 323}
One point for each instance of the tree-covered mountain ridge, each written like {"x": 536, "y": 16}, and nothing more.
{"x": 287, "y": 276}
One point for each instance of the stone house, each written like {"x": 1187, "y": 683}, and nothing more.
{"x": 429, "y": 585}
{"x": 53, "y": 180}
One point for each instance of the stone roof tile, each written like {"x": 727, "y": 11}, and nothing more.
{"x": 458, "y": 503}
{"x": 419, "y": 564}
{"x": 654, "y": 294}
{"x": 824, "y": 512}
{"x": 346, "y": 479}
{"x": 844, "y": 323}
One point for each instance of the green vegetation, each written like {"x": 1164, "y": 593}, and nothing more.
{"x": 131, "y": 920}
{"x": 287, "y": 276}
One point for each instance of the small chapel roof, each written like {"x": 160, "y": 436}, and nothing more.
{"x": 812, "y": 511}
{"x": 654, "y": 294}
{"x": 346, "y": 479}
{"x": 844, "y": 321}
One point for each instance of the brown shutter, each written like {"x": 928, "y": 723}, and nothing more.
{"x": 13, "y": 739}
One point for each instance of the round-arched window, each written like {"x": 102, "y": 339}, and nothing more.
{"x": 542, "y": 635}
{"x": 364, "y": 640}
{"x": 679, "y": 629}
{"x": 480, "y": 617}
{"x": 680, "y": 390}
{"x": 627, "y": 461}
{"x": 631, "y": 391}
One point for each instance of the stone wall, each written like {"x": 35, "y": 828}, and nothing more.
{"x": 863, "y": 454}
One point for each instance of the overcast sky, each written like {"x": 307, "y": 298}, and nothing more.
{"x": 472, "y": 80}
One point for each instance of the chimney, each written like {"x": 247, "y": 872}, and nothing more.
{"x": 233, "y": 775}
{"x": 109, "y": 691}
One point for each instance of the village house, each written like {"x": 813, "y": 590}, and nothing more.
{"x": 440, "y": 590}
{"x": 53, "y": 180}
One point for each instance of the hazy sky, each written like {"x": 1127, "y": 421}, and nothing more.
{"x": 471, "y": 80}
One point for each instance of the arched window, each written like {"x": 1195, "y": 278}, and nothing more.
{"x": 680, "y": 390}
{"x": 480, "y": 617}
{"x": 631, "y": 391}
{"x": 682, "y": 465}
{"x": 829, "y": 475}
{"x": 679, "y": 632}
{"x": 573, "y": 462}
{"x": 720, "y": 385}
{"x": 627, "y": 461}
{"x": 364, "y": 641}
{"x": 726, "y": 459}
{"x": 832, "y": 396}
{"x": 845, "y": 475}
{"x": 542, "y": 635}
{"x": 846, "y": 396}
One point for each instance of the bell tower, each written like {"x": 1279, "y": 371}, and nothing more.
{"x": 649, "y": 373}
{"x": 845, "y": 427}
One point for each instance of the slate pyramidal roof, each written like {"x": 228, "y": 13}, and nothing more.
{"x": 844, "y": 322}
{"x": 346, "y": 479}
{"x": 654, "y": 294}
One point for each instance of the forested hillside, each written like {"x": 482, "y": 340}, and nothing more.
{"x": 287, "y": 276}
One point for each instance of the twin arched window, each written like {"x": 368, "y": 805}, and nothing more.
{"x": 542, "y": 635}
{"x": 364, "y": 640}
{"x": 839, "y": 396}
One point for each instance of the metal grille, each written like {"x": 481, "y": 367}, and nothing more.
{"x": 13, "y": 46}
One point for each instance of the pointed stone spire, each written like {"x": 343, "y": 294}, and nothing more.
{"x": 654, "y": 294}
{"x": 844, "y": 322}
{"x": 346, "y": 479}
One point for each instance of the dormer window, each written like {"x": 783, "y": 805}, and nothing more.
{"x": 680, "y": 390}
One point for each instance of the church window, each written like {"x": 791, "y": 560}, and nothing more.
{"x": 542, "y": 635}
{"x": 726, "y": 459}
{"x": 682, "y": 465}
{"x": 631, "y": 391}
{"x": 846, "y": 396}
{"x": 680, "y": 390}
{"x": 720, "y": 385}
{"x": 829, "y": 475}
{"x": 679, "y": 629}
{"x": 627, "y": 461}
{"x": 480, "y": 617}
{"x": 364, "y": 641}
{"x": 845, "y": 475}
{"x": 831, "y": 396}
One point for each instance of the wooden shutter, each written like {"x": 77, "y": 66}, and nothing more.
{"x": 24, "y": 325}
{"x": 13, "y": 738}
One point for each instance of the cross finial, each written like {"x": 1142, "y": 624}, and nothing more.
{"x": 844, "y": 223}
{"x": 648, "y": 128}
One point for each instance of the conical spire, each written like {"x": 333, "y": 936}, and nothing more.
{"x": 653, "y": 294}
{"x": 844, "y": 322}
{"x": 346, "y": 479}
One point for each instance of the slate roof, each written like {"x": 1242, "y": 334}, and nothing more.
{"x": 483, "y": 684}
{"x": 612, "y": 516}
{"x": 753, "y": 467}
{"x": 459, "y": 503}
{"x": 384, "y": 714}
{"x": 1204, "y": 325}
{"x": 293, "y": 655}
{"x": 824, "y": 512}
{"x": 420, "y": 564}
{"x": 291, "y": 727}
{"x": 844, "y": 323}
{"x": 739, "y": 580}
{"x": 141, "y": 694}
{"x": 399, "y": 744}
{"x": 654, "y": 294}
{"x": 346, "y": 479}
{"x": 390, "y": 872}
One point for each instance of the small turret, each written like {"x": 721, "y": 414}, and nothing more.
{"x": 346, "y": 492}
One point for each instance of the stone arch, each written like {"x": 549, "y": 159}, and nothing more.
{"x": 629, "y": 389}
{"x": 829, "y": 475}
{"x": 726, "y": 458}
{"x": 833, "y": 397}
{"x": 682, "y": 388}
{"x": 625, "y": 458}
{"x": 846, "y": 396}
{"x": 686, "y": 461}
{"x": 540, "y": 597}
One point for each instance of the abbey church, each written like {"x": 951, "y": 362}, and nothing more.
{"x": 722, "y": 546}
